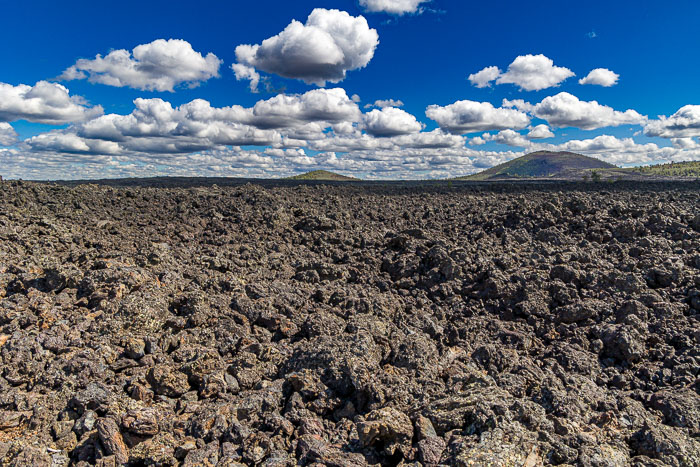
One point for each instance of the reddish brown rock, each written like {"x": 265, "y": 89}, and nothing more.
{"x": 111, "y": 439}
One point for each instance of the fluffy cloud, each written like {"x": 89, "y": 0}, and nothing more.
{"x": 604, "y": 143}
{"x": 483, "y": 78}
{"x": 381, "y": 103}
{"x": 519, "y": 104}
{"x": 8, "y": 135}
{"x": 155, "y": 127}
{"x": 566, "y": 110}
{"x": 321, "y": 105}
{"x": 43, "y": 103}
{"x": 322, "y": 128}
{"x": 330, "y": 44}
{"x": 685, "y": 143}
{"x": 67, "y": 142}
{"x": 528, "y": 72}
{"x": 507, "y": 137}
{"x": 417, "y": 155}
{"x": 158, "y": 66}
{"x": 390, "y": 121}
{"x": 469, "y": 117}
{"x": 600, "y": 77}
{"x": 401, "y": 157}
{"x": 540, "y": 132}
{"x": 617, "y": 151}
{"x": 247, "y": 73}
{"x": 685, "y": 123}
{"x": 365, "y": 143}
{"x": 534, "y": 72}
{"x": 510, "y": 137}
{"x": 436, "y": 139}
{"x": 394, "y": 7}
{"x": 303, "y": 116}
{"x": 232, "y": 162}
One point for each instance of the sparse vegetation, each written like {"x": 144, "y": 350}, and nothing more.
{"x": 672, "y": 169}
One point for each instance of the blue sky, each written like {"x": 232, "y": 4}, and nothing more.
{"x": 318, "y": 78}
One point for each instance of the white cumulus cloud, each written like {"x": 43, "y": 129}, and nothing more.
{"x": 470, "y": 116}
{"x": 44, "y": 102}
{"x": 247, "y": 73}
{"x": 534, "y": 72}
{"x": 436, "y": 139}
{"x": 508, "y": 137}
{"x": 685, "y": 123}
{"x": 519, "y": 104}
{"x": 8, "y": 135}
{"x": 67, "y": 142}
{"x": 600, "y": 77}
{"x": 157, "y": 66}
{"x": 320, "y": 105}
{"x": 566, "y": 110}
{"x": 381, "y": 103}
{"x": 330, "y": 44}
{"x": 390, "y": 121}
{"x": 615, "y": 150}
{"x": 540, "y": 132}
{"x": 483, "y": 78}
{"x": 685, "y": 143}
{"x": 394, "y": 7}
{"x": 528, "y": 72}
{"x": 157, "y": 127}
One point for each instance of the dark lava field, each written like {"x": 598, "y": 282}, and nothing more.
{"x": 350, "y": 325}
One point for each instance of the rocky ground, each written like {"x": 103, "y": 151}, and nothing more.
{"x": 350, "y": 325}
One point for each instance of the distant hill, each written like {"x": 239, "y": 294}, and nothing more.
{"x": 323, "y": 175}
{"x": 542, "y": 165}
{"x": 673, "y": 169}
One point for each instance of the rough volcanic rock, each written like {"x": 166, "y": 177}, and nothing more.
{"x": 381, "y": 324}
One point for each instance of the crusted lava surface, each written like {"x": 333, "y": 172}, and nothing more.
{"x": 350, "y": 325}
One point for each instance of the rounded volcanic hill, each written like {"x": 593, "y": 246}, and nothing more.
{"x": 543, "y": 165}
{"x": 323, "y": 175}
